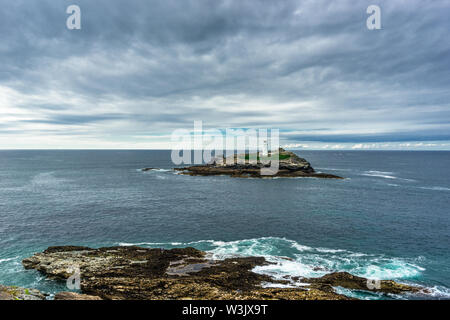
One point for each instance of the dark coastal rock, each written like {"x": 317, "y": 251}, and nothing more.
{"x": 147, "y": 169}
{"x": 349, "y": 281}
{"x": 290, "y": 165}
{"x": 18, "y": 293}
{"x": 75, "y": 296}
{"x": 182, "y": 273}
{"x": 65, "y": 249}
{"x": 250, "y": 173}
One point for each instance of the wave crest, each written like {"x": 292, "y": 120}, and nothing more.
{"x": 291, "y": 258}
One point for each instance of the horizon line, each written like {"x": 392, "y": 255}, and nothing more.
{"x": 150, "y": 149}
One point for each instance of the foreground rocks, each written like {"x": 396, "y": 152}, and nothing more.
{"x": 244, "y": 166}
{"x": 18, "y": 293}
{"x": 349, "y": 281}
{"x": 183, "y": 273}
{"x": 75, "y": 296}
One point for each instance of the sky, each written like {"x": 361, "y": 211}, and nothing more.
{"x": 138, "y": 69}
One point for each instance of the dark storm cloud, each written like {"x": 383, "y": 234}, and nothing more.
{"x": 159, "y": 65}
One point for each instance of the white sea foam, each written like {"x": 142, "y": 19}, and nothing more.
{"x": 291, "y": 259}
{"x": 151, "y": 244}
{"x": 168, "y": 244}
{"x": 155, "y": 170}
{"x": 393, "y": 185}
{"x": 439, "y": 292}
{"x": 276, "y": 285}
{"x": 436, "y": 188}
{"x": 46, "y": 180}
{"x": 7, "y": 259}
{"x": 329, "y": 250}
{"x": 380, "y": 174}
{"x": 334, "y": 169}
{"x": 299, "y": 247}
{"x": 384, "y": 174}
{"x": 360, "y": 295}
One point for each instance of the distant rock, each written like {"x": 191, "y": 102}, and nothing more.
{"x": 184, "y": 273}
{"x": 250, "y": 166}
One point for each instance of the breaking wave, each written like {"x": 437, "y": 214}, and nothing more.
{"x": 383, "y": 174}
{"x": 8, "y": 259}
{"x": 291, "y": 259}
{"x": 436, "y": 188}
{"x": 380, "y": 174}
{"x": 155, "y": 170}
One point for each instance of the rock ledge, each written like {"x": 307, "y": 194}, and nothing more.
{"x": 137, "y": 273}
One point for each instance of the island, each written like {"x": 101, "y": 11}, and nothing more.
{"x": 138, "y": 273}
{"x": 250, "y": 165}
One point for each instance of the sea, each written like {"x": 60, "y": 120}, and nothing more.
{"x": 388, "y": 219}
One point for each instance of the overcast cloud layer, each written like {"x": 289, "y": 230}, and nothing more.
{"x": 139, "y": 69}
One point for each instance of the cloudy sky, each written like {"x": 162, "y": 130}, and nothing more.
{"x": 139, "y": 69}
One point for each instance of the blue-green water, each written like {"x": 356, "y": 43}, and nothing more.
{"x": 389, "y": 219}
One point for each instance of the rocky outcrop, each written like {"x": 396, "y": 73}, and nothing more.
{"x": 75, "y": 296}
{"x": 183, "y": 273}
{"x": 349, "y": 281}
{"x": 251, "y": 166}
{"x": 18, "y": 293}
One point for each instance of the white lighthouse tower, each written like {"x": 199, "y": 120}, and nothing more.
{"x": 265, "y": 148}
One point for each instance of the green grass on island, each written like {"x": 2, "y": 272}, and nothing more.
{"x": 281, "y": 157}
{"x": 284, "y": 156}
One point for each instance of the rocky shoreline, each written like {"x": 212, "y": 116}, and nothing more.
{"x": 136, "y": 273}
{"x": 242, "y": 166}
{"x": 18, "y": 293}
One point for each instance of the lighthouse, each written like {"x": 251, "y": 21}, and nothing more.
{"x": 265, "y": 148}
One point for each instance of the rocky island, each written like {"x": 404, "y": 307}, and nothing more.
{"x": 250, "y": 166}
{"x": 136, "y": 273}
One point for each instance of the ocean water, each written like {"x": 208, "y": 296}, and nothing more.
{"x": 389, "y": 219}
